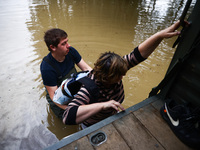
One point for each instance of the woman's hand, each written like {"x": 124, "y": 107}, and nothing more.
{"x": 113, "y": 104}
{"x": 170, "y": 31}
{"x": 149, "y": 45}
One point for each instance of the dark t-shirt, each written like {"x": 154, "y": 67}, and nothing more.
{"x": 49, "y": 74}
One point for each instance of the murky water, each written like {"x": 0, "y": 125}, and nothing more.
{"x": 93, "y": 26}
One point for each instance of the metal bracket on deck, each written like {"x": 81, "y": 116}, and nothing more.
{"x": 98, "y": 138}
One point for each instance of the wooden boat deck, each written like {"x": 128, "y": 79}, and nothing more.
{"x": 140, "y": 127}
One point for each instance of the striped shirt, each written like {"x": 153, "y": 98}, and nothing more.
{"x": 115, "y": 92}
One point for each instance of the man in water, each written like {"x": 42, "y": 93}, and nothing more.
{"x": 58, "y": 65}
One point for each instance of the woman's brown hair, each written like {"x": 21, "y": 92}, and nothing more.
{"x": 110, "y": 67}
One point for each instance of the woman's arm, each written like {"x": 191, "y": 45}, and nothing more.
{"x": 86, "y": 111}
{"x": 149, "y": 45}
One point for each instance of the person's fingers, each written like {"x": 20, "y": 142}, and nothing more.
{"x": 119, "y": 106}
{"x": 114, "y": 105}
{"x": 173, "y": 33}
{"x": 176, "y": 25}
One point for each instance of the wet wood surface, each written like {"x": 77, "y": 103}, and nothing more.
{"x": 142, "y": 129}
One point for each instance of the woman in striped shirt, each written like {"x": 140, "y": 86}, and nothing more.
{"x": 107, "y": 74}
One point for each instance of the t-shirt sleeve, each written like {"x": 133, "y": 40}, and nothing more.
{"x": 134, "y": 58}
{"x": 75, "y": 55}
{"x": 82, "y": 98}
{"x": 69, "y": 116}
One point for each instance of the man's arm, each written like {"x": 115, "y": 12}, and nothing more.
{"x": 149, "y": 45}
{"x": 84, "y": 66}
{"x": 51, "y": 90}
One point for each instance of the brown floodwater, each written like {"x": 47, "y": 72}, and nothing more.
{"x": 93, "y": 26}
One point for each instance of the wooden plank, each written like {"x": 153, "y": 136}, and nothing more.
{"x": 152, "y": 120}
{"x": 81, "y": 144}
{"x": 101, "y": 124}
{"x": 135, "y": 134}
{"x": 158, "y": 104}
{"x": 114, "y": 140}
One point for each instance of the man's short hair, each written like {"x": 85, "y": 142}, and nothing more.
{"x": 54, "y": 36}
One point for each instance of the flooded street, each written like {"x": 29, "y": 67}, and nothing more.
{"x": 93, "y": 26}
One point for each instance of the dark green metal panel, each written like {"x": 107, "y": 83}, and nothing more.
{"x": 186, "y": 86}
{"x": 185, "y": 83}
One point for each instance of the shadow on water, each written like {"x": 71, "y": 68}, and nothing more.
{"x": 93, "y": 26}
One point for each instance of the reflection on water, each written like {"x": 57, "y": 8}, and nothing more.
{"x": 93, "y": 26}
